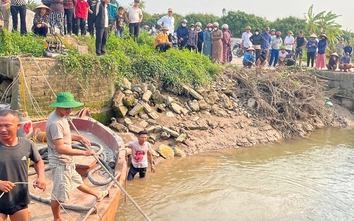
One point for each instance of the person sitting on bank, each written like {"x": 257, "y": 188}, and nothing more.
{"x": 140, "y": 156}
{"x": 282, "y": 55}
{"x": 161, "y": 41}
{"x": 41, "y": 20}
{"x": 345, "y": 63}
{"x": 333, "y": 61}
{"x": 248, "y": 58}
{"x": 262, "y": 60}
{"x": 290, "y": 58}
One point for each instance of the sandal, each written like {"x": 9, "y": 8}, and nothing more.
{"x": 105, "y": 193}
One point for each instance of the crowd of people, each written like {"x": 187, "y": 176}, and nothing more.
{"x": 269, "y": 48}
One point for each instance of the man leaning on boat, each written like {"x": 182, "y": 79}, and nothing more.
{"x": 15, "y": 152}
{"x": 140, "y": 155}
{"x": 60, "y": 154}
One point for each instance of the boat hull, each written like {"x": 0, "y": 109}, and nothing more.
{"x": 92, "y": 211}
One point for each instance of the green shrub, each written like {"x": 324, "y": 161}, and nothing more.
{"x": 124, "y": 58}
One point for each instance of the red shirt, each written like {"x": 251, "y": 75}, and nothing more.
{"x": 81, "y": 9}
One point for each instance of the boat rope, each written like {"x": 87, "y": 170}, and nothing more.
{"x": 112, "y": 176}
{"x": 65, "y": 207}
{"x": 22, "y": 82}
{"x": 45, "y": 79}
{"x": 8, "y": 89}
{"x": 34, "y": 102}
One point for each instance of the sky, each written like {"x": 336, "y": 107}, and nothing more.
{"x": 270, "y": 9}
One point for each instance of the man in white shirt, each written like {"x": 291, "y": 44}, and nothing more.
{"x": 282, "y": 55}
{"x": 246, "y": 43}
{"x": 168, "y": 21}
{"x": 141, "y": 155}
{"x": 289, "y": 42}
{"x": 135, "y": 16}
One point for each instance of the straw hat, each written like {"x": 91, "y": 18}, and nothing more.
{"x": 164, "y": 28}
{"x": 66, "y": 100}
{"x": 38, "y": 8}
{"x": 323, "y": 35}
{"x": 250, "y": 49}
{"x": 313, "y": 36}
{"x": 334, "y": 54}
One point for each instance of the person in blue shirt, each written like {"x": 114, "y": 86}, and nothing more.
{"x": 182, "y": 34}
{"x": 267, "y": 38}
{"x": 348, "y": 49}
{"x": 321, "y": 53}
{"x": 311, "y": 46}
{"x": 248, "y": 58}
{"x": 345, "y": 63}
{"x": 112, "y": 12}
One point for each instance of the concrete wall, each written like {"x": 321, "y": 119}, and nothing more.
{"x": 341, "y": 80}
{"x": 95, "y": 91}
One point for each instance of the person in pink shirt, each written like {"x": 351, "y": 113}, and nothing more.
{"x": 81, "y": 12}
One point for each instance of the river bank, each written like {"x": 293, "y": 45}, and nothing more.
{"x": 240, "y": 109}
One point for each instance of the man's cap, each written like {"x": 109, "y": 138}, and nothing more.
{"x": 248, "y": 28}
{"x": 164, "y": 28}
{"x": 142, "y": 132}
{"x": 272, "y": 29}
{"x": 346, "y": 52}
{"x": 290, "y": 32}
{"x": 137, "y": 1}
{"x": 170, "y": 10}
{"x": 66, "y": 100}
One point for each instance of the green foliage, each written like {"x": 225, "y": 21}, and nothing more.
{"x": 290, "y": 23}
{"x": 202, "y": 18}
{"x": 138, "y": 60}
{"x": 31, "y": 5}
{"x": 239, "y": 20}
{"x": 324, "y": 22}
{"x": 15, "y": 44}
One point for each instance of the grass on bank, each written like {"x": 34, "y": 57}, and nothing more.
{"x": 124, "y": 58}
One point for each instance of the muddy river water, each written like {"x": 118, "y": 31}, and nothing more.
{"x": 298, "y": 179}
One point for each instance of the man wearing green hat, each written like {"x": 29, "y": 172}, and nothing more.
{"x": 246, "y": 42}
{"x": 61, "y": 154}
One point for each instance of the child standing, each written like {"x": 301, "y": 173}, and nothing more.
{"x": 112, "y": 12}
{"x": 81, "y": 12}
{"x": 119, "y": 22}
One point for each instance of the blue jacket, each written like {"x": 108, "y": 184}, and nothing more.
{"x": 322, "y": 45}
{"x": 182, "y": 32}
{"x": 309, "y": 46}
{"x": 266, "y": 43}
{"x": 112, "y": 10}
{"x": 248, "y": 56}
{"x": 348, "y": 49}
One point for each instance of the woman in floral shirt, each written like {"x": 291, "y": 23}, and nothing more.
{"x": 41, "y": 20}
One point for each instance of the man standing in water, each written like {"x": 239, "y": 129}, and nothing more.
{"x": 140, "y": 155}
{"x": 15, "y": 152}
{"x": 60, "y": 154}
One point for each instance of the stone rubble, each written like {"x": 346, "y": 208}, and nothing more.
{"x": 187, "y": 123}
